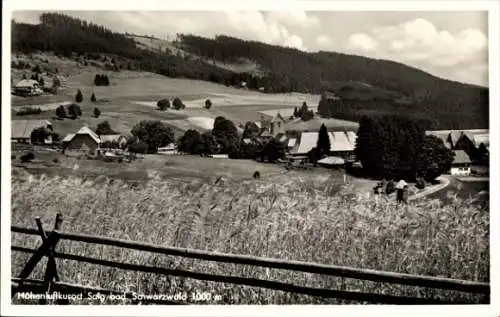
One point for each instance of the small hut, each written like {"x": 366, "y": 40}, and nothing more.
{"x": 402, "y": 191}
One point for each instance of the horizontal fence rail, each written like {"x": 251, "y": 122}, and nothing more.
{"x": 298, "y": 266}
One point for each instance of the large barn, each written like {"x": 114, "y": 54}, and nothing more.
{"x": 84, "y": 142}
{"x": 27, "y": 87}
{"x": 342, "y": 143}
{"x": 22, "y": 129}
{"x": 473, "y": 142}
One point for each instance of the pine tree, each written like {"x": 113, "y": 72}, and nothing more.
{"x": 97, "y": 112}
{"x": 92, "y": 98}
{"x": 79, "y": 96}
{"x": 323, "y": 143}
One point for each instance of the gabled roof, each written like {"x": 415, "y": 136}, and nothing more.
{"x": 68, "y": 137}
{"x": 461, "y": 157}
{"x": 111, "y": 137}
{"x": 340, "y": 142}
{"x": 93, "y": 135}
{"x": 278, "y": 117}
{"x": 454, "y": 137}
{"x": 352, "y": 136}
{"x": 266, "y": 134}
{"x": 482, "y": 139}
{"x": 22, "y": 129}
{"x": 292, "y": 142}
{"x": 247, "y": 141}
{"x": 27, "y": 83}
{"x": 308, "y": 141}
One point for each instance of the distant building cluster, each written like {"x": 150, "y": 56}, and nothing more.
{"x": 468, "y": 146}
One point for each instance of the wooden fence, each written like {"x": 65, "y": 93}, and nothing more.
{"x": 51, "y": 281}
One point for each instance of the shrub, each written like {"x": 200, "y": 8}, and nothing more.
{"x": 139, "y": 147}
{"x": 12, "y": 157}
{"x": 93, "y": 98}
{"x": 163, "y": 104}
{"x": 101, "y": 80}
{"x": 55, "y": 160}
{"x": 104, "y": 128}
{"x": 154, "y": 133}
{"x": 28, "y": 157}
{"x": 61, "y": 112}
{"x": 79, "y": 96}
{"x": 74, "y": 111}
{"x": 420, "y": 184}
{"x": 178, "y": 104}
{"x": 390, "y": 188}
{"x": 97, "y": 112}
{"x": 208, "y": 104}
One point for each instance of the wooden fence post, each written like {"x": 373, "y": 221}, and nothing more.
{"x": 47, "y": 248}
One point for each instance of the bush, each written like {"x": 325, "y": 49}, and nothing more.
{"x": 101, "y": 80}
{"x": 61, "y": 112}
{"x": 28, "y": 157}
{"x": 104, "y": 128}
{"x": 12, "y": 157}
{"x": 208, "y": 104}
{"x": 420, "y": 184}
{"x": 74, "y": 111}
{"x": 139, "y": 147}
{"x": 177, "y": 104}
{"x": 79, "y": 96}
{"x": 97, "y": 112}
{"x": 163, "y": 104}
{"x": 55, "y": 160}
{"x": 390, "y": 188}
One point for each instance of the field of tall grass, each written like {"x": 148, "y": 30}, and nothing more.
{"x": 322, "y": 222}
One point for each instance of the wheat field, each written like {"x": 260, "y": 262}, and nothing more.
{"x": 322, "y": 222}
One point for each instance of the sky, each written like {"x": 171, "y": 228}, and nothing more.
{"x": 451, "y": 45}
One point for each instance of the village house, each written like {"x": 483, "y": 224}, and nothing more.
{"x": 474, "y": 142}
{"x": 22, "y": 129}
{"x": 27, "y": 87}
{"x": 461, "y": 164}
{"x": 118, "y": 139}
{"x": 273, "y": 127}
{"x": 342, "y": 143}
{"x": 84, "y": 142}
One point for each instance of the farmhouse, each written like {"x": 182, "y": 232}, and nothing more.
{"x": 27, "y": 87}
{"x": 341, "y": 143}
{"x": 22, "y": 129}
{"x": 84, "y": 142}
{"x": 118, "y": 139}
{"x": 273, "y": 127}
{"x": 461, "y": 164}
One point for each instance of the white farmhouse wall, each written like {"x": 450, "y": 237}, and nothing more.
{"x": 460, "y": 171}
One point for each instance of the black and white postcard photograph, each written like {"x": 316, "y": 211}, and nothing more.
{"x": 227, "y": 158}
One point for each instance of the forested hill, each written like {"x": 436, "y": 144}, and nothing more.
{"x": 365, "y": 85}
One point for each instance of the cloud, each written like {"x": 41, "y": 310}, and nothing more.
{"x": 294, "y": 18}
{"x": 363, "y": 42}
{"x": 324, "y": 41}
{"x": 420, "y": 43}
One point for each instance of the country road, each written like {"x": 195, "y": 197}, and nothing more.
{"x": 444, "y": 181}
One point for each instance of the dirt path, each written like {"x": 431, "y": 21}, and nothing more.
{"x": 444, "y": 181}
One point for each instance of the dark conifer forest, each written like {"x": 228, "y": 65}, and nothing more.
{"x": 365, "y": 86}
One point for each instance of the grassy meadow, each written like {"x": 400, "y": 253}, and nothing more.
{"x": 299, "y": 219}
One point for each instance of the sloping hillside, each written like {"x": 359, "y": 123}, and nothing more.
{"x": 365, "y": 86}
